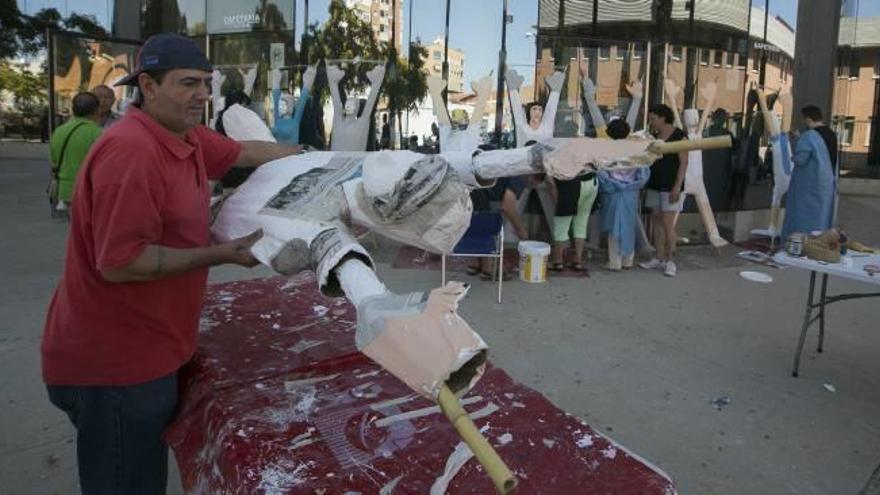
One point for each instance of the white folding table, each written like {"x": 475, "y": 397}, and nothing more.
{"x": 853, "y": 271}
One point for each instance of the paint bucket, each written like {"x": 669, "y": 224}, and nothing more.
{"x": 533, "y": 261}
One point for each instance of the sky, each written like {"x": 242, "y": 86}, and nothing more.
{"x": 475, "y": 25}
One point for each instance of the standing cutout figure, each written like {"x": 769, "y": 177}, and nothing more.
{"x": 288, "y": 121}
{"x": 467, "y": 139}
{"x": 350, "y": 129}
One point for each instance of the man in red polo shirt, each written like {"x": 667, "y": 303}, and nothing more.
{"x": 124, "y": 317}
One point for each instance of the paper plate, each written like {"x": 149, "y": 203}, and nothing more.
{"x": 760, "y": 277}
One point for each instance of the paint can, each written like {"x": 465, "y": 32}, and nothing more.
{"x": 794, "y": 244}
{"x": 533, "y": 261}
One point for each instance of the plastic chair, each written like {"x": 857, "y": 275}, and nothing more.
{"x": 483, "y": 239}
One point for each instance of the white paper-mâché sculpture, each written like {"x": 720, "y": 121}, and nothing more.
{"x": 783, "y": 164}
{"x": 463, "y": 140}
{"x": 350, "y": 128}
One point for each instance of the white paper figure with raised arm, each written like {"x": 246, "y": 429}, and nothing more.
{"x": 693, "y": 182}
{"x": 538, "y": 125}
{"x": 467, "y": 139}
{"x": 783, "y": 163}
{"x": 289, "y": 118}
{"x": 350, "y": 129}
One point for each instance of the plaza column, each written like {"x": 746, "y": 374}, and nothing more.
{"x": 815, "y": 56}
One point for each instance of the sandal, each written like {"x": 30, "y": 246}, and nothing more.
{"x": 578, "y": 267}
{"x": 557, "y": 267}
{"x": 474, "y": 270}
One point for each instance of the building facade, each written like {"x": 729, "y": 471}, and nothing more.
{"x": 382, "y": 18}
{"x": 434, "y": 64}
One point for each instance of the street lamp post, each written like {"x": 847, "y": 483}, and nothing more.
{"x": 502, "y": 62}
{"x": 446, "y": 57}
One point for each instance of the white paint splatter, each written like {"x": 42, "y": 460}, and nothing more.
{"x": 585, "y": 441}
{"x": 549, "y": 443}
{"x": 320, "y": 310}
{"x": 277, "y": 479}
{"x": 459, "y": 457}
{"x": 505, "y": 439}
{"x": 389, "y": 487}
{"x": 304, "y": 345}
{"x": 610, "y": 452}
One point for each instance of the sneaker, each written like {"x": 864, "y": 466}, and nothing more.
{"x": 654, "y": 264}
{"x": 670, "y": 269}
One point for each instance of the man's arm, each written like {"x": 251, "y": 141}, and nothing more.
{"x": 255, "y": 153}
{"x": 158, "y": 262}
{"x": 679, "y": 177}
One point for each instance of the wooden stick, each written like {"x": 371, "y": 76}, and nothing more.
{"x": 710, "y": 143}
{"x": 500, "y": 474}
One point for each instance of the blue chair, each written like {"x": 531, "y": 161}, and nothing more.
{"x": 483, "y": 239}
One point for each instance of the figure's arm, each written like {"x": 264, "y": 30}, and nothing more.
{"x": 304, "y": 94}
{"x": 787, "y": 108}
{"x": 548, "y": 122}
{"x": 672, "y": 91}
{"x": 249, "y": 78}
{"x": 334, "y": 76}
{"x": 483, "y": 88}
{"x": 709, "y": 93}
{"x": 636, "y": 91}
{"x": 679, "y": 177}
{"x": 217, "y": 79}
{"x": 376, "y": 75}
{"x": 514, "y": 81}
{"x": 770, "y": 121}
{"x": 158, "y": 262}
{"x": 255, "y": 153}
{"x": 275, "y": 79}
{"x": 435, "y": 89}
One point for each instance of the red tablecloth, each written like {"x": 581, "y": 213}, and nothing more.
{"x": 277, "y": 400}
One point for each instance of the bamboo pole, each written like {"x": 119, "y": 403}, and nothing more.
{"x": 710, "y": 143}
{"x": 500, "y": 474}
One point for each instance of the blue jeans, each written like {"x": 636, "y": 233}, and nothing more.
{"x": 119, "y": 449}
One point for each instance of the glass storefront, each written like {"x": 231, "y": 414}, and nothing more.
{"x": 857, "y": 89}
{"x": 81, "y": 63}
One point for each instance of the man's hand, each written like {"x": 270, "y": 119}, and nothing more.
{"x": 309, "y": 76}
{"x": 635, "y": 89}
{"x": 514, "y": 80}
{"x": 675, "y": 195}
{"x": 334, "y": 73}
{"x": 376, "y": 75}
{"x": 555, "y": 81}
{"x": 239, "y": 252}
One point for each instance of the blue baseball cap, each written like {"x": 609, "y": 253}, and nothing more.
{"x": 164, "y": 52}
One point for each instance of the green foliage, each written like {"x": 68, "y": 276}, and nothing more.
{"x": 346, "y": 37}
{"x": 28, "y": 89}
{"x": 26, "y": 35}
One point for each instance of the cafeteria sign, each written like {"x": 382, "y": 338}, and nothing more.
{"x": 241, "y": 21}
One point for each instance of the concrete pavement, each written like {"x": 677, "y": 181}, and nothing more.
{"x": 639, "y": 356}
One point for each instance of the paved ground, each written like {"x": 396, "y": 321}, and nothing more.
{"x": 639, "y": 356}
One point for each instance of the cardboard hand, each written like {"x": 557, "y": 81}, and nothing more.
{"x": 555, "y": 81}
{"x": 334, "y": 74}
{"x": 275, "y": 78}
{"x": 514, "y": 80}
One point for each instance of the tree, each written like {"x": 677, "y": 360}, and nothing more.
{"x": 28, "y": 89}
{"x": 406, "y": 85}
{"x": 345, "y": 36}
{"x": 10, "y": 24}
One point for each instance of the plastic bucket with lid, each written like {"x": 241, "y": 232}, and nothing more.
{"x": 533, "y": 261}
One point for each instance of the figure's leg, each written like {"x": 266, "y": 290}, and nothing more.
{"x": 588, "y": 191}
{"x": 708, "y": 216}
{"x": 561, "y": 226}
{"x": 615, "y": 262}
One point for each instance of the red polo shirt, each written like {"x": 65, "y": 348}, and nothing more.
{"x": 139, "y": 185}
